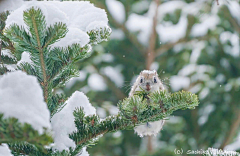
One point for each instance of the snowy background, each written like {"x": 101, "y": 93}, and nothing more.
{"x": 197, "y": 49}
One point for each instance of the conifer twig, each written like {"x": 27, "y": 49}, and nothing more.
{"x": 45, "y": 82}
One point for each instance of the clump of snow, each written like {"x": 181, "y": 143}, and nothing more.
{"x": 205, "y": 112}
{"x": 203, "y": 94}
{"x": 73, "y": 36}
{"x": 140, "y": 6}
{"x": 101, "y": 112}
{"x": 117, "y": 34}
{"x": 191, "y": 68}
{"x": 220, "y": 78}
{"x": 193, "y": 8}
{"x": 142, "y": 24}
{"x": 22, "y": 98}
{"x": 80, "y": 17}
{"x": 7, "y": 52}
{"x": 234, "y": 8}
{"x": 233, "y": 50}
{"x": 179, "y": 82}
{"x": 96, "y": 82}
{"x": 171, "y": 33}
{"x": 197, "y": 48}
{"x": 207, "y": 22}
{"x": 63, "y": 121}
{"x": 25, "y": 58}
{"x": 169, "y": 7}
{"x": 148, "y": 72}
{"x": 4, "y": 150}
{"x": 103, "y": 58}
{"x": 10, "y": 5}
{"x": 154, "y": 66}
{"x": 116, "y": 9}
{"x": 114, "y": 74}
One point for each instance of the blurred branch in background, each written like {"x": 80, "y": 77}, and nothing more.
{"x": 150, "y": 55}
{"x": 233, "y": 130}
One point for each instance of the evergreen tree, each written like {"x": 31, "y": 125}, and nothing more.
{"x": 53, "y": 67}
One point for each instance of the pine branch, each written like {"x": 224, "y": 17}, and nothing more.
{"x": 54, "y": 33}
{"x": 98, "y": 35}
{"x": 133, "y": 111}
{"x": 62, "y": 61}
{"x": 11, "y": 131}
{"x": 5, "y": 42}
{"x": 52, "y": 66}
{"x": 57, "y": 103}
{"x": 24, "y": 148}
{"x": 18, "y": 35}
{"x": 35, "y": 20}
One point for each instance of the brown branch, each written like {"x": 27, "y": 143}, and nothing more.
{"x": 233, "y": 130}
{"x": 152, "y": 39}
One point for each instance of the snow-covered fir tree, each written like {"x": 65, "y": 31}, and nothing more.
{"x": 40, "y": 44}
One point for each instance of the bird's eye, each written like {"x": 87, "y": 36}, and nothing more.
{"x": 141, "y": 81}
{"x": 155, "y": 80}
